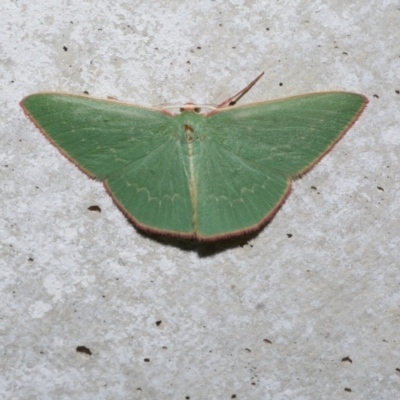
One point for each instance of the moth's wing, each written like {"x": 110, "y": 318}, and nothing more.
{"x": 98, "y": 135}
{"x": 255, "y": 150}
{"x": 130, "y": 148}
{"x": 290, "y": 134}
{"x": 234, "y": 195}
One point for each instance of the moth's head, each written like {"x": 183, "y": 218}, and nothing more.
{"x": 190, "y": 107}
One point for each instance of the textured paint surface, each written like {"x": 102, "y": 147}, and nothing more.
{"x": 192, "y": 175}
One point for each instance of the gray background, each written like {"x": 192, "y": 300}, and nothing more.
{"x": 326, "y": 299}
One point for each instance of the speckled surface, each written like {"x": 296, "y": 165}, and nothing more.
{"x": 307, "y": 309}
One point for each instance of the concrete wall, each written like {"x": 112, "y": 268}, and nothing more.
{"x": 307, "y": 309}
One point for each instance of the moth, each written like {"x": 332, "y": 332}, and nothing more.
{"x": 198, "y": 175}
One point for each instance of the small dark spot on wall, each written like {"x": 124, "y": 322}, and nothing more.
{"x": 30, "y": 259}
{"x": 158, "y": 323}
{"x": 85, "y": 92}
{"x": 347, "y": 389}
{"x": 94, "y": 208}
{"x": 187, "y": 62}
{"x": 146, "y": 360}
{"x": 347, "y": 360}
{"x": 280, "y": 84}
{"x": 248, "y": 350}
{"x": 65, "y": 48}
{"x": 344, "y": 53}
{"x": 267, "y": 341}
{"x": 376, "y": 96}
{"x": 233, "y": 396}
{"x": 84, "y": 350}
{"x": 267, "y": 29}
{"x": 289, "y": 235}
{"x": 380, "y": 188}
{"x": 198, "y": 48}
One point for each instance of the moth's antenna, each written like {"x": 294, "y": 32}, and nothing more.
{"x": 236, "y": 97}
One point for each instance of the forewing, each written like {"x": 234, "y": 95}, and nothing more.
{"x": 290, "y": 134}
{"x": 100, "y": 136}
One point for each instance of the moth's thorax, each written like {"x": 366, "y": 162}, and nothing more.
{"x": 190, "y": 126}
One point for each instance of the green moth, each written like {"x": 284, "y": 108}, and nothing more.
{"x": 207, "y": 176}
